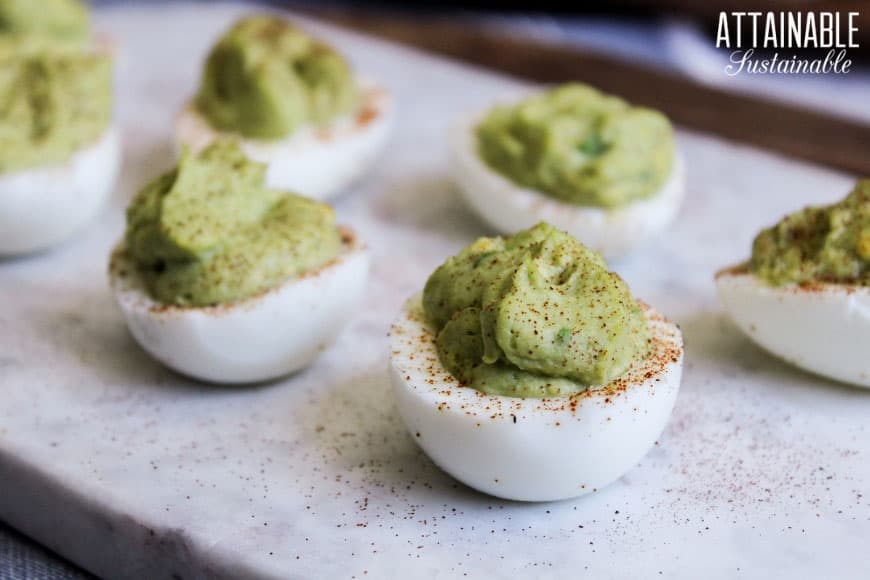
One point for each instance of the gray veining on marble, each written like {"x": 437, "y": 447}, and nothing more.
{"x": 131, "y": 471}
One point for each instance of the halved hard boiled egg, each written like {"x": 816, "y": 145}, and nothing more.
{"x": 42, "y": 206}
{"x": 533, "y": 449}
{"x": 509, "y": 207}
{"x": 316, "y": 161}
{"x": 804, "y": 294}
{"x": 271, "y": 334}
{"x": 821, "y": 327}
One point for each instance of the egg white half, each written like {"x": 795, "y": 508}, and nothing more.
{"x": 509, "y": 207}
{"x": 532, "y": 449}
{"x": 317, "y": 162}
{"x": 263, "y": 337}
{"x": 822, "y": 328}
{"x": 42, "y": 206}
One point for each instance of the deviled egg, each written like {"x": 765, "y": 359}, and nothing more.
{"x": 804, "y": 295}
{"x": 604, "y": 171}
{"x": 59, "y": 149}
{"x": 528, "y": 371}
{"x": 293, "y": 103}
{"x": 229, "y": 281}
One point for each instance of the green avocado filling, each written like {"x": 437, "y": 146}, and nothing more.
{"x": 580, "y": 146}
{"x": 265, "y": 78}
{"x": 818, "y": 244}
{"x": 64, "y": 21}
{"x": 52, "y": 104}
{"x": 536, "y": 314}
{"x": 55, "y": 95}
{"x": 210, "y": 232}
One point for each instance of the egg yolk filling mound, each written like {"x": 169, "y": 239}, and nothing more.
{"x": 818, "y": 244}
{"x": 579, "y": 145}
{"x": 265, "y": 78}
{"x": 55, "y": 90}
{"x": 536, "y": 314}
{"x": 210, "y": 232}
{"x": 60, "y": 20}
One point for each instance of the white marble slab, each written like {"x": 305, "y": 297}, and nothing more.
{"x": 134, "y": 472}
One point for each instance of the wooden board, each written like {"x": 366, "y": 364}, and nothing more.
{"x": 792, "y": 130}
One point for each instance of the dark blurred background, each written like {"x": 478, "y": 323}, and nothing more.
{"x": 702, "y": 12}
{"x": 672, "y": 36}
